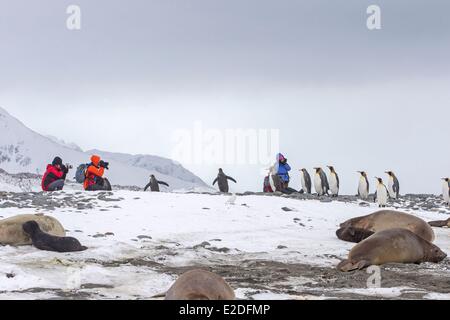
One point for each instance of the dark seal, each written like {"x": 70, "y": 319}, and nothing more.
{"x": 45, "y": 241}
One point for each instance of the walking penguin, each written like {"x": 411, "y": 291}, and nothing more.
{"x": 222, "y": 180}
{"x": 154, "y": 184}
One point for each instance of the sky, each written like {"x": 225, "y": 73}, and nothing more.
{"x": 138, "y": 72}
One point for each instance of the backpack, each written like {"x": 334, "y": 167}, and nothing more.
{"x": 80, "y": 174}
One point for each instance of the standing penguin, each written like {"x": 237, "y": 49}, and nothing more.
{"x": 393, "y": 185}
{"x": 222, "y": 180}
{"x": 446, "y": 190}
{"x": 321, "y": 182}
{"x": 334, "y": 182}
{"x": 154, "y": 184}
{"x": 306, "y": 181}
{"x": 382, "y": 193}
{"x": 363, "y": 186}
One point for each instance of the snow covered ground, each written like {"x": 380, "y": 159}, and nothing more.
{"x": 140, "y": 242}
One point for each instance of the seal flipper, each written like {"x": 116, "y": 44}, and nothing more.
{"x": 440, "y": 223}
{"x": 347, "y": 265}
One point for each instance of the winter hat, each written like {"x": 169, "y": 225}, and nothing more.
{"x": 57, "y": 161}
{"x": 281, "y": 157}
{"x": 95, "y": 160}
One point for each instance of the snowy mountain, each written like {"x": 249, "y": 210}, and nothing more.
{"x": 23, "y": 150}
{"x": 69, "y": 145}
{"x": 162, "y": 166}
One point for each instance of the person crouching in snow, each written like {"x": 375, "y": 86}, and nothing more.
{"x": 283, "y": 174}
{"x": 283, "y": 170}
{"x": 55, "y": 175}
{"x": 94, "y": 175}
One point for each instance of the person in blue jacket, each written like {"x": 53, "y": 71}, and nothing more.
{"x": 283, "y": 173}
{"x": 283, "y": 170}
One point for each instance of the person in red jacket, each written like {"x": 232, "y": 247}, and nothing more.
{"x": 94, "y": 175}
{"x": 54, "y": 176}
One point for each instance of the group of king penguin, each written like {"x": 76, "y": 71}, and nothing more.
{"x": 383, "y": 193}
{"x": 330, "y": 185}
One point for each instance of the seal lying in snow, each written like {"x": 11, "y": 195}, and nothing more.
{"x": 11, "y": 231}
{"x": 200, "y": 285}
{"x": 440, "y": 223}
{"x": 45, "y": 241}
{"x": 392, "y": 245}
{"x": 382, "y": 220}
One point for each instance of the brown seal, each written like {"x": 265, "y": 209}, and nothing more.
{"x": 440, "y": 223}
{"x": 200, "y": 285}
{"x": 388, "y": 219}
{"x": 11, "y": 231}
{"x": 390, "y": 246}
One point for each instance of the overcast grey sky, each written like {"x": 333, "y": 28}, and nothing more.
{"x": 339, "y": 93}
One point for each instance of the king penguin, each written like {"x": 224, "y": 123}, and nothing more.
{"x": 382, "y": 193}
{"x": 333, "y": 181}
{"x": 363, "y": 186}
{"x": 446, "y": 190}
{"x": 393, "y": 185}
{"x": 306, "y": 181}
{"x": 321, "y": 182}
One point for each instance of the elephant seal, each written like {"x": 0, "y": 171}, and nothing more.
{"x": 388, "y": 219}
{"x": 391, "y": 245}
{"x": 200, "y": 285}
{"x": 11, "y": 231}
{"x": 351, "y": 234}
{"x": 45, "y": 241}
{"x": 440, "y": 223}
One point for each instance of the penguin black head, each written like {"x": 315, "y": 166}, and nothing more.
{"x": 220, "y": 170}
{"x": 152, "y": 176}
{"x": 390, "y": 173}
{"x": 331, "y": 168}
{"x": 30, "y": 227}
{"x": 379, "y": 180}
{"x": 317, "y": 169}
{"x": 446, "y": 179}
{"x": 363, "y": 173}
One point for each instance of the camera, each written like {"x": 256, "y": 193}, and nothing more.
{"x": 69, "y": 166}
{"x": 104, "y": 164}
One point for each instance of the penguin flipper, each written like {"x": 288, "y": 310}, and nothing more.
{"x": 230, "y": 178}
{"x": 215, "y": 180}
{"x": 164, "y": 183}
{"x": 147, "y": 186}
